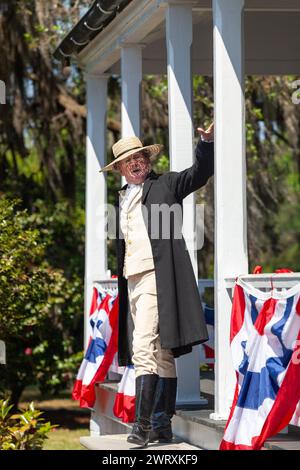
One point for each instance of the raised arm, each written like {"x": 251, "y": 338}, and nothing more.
{"x": 185, "y": 182}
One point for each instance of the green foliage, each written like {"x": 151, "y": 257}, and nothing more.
{"x": 41, "y": 305}
{"x": 158, "y": 89}
{"x": 286, "y": 221}
{"x": 162, "y": 165}
{"x": 26, "y": 430}
{"x": 25, "y": 278}
{"x": 61, "y": 230}
{"x": 203, "y": 100}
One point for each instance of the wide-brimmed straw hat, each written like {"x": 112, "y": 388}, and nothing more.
{"x": 129, "y": 146}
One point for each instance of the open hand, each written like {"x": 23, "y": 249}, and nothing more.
{"x": 207, "y": 135}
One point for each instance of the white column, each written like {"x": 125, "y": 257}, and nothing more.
{"x": 96, "y": 189}
{"x": 2, "y": 353}
{"x": 179, "y": 32}
{"x": 2, "y": 92}
{"x": 230, "y": 183}
{"x": 131, "y": 78}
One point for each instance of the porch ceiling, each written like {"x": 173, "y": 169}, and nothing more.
{"x": 271, "y": 45}
{"x": 272, "y": 31}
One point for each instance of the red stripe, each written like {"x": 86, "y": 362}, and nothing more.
{"x": 124, "y": 408}
{"x": 298, "y": 307}
{"x": 237, "y": 311}
{"x": 94, "y": 301}
{"x": 104, "y": 305}
{"x": 257, "y": 270}
{"x": 225, "y": 445}
{"x": 209, "y": 352}
{"x": 84, "y": 393}
{"x": 88, "y": 396}
{"x": 265, "y": 315}
{"x": 77, "y": 390}
{"x": 285, "y": 404}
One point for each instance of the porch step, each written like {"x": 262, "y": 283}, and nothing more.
{"x": 191, "y": 427}
{"x": 119, "y": 442}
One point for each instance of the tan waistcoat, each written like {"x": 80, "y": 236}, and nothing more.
{"x": 138, "y": 251}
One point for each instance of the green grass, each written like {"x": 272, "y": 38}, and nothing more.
{"x": 65, "y": 439}
{"x": 72, "y": 421}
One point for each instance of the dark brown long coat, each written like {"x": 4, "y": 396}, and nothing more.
{"x": 181, "y": 318}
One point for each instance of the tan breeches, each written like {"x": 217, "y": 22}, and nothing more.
{"x": 148, "y": 356}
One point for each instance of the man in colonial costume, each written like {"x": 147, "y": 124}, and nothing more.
{"x": 156, "y": 280}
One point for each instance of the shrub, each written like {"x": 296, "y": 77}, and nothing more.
{"x": 40, "y": 301}
{"x": 23, "y": 431}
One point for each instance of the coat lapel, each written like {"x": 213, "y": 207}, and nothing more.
{"x": 152, "y": 177}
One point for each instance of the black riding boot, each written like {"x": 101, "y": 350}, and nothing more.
{"x": 164, "y": 409}
{"x": 144, "y": 403}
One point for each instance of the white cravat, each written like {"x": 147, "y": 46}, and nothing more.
{"x": 131, "y": 191}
